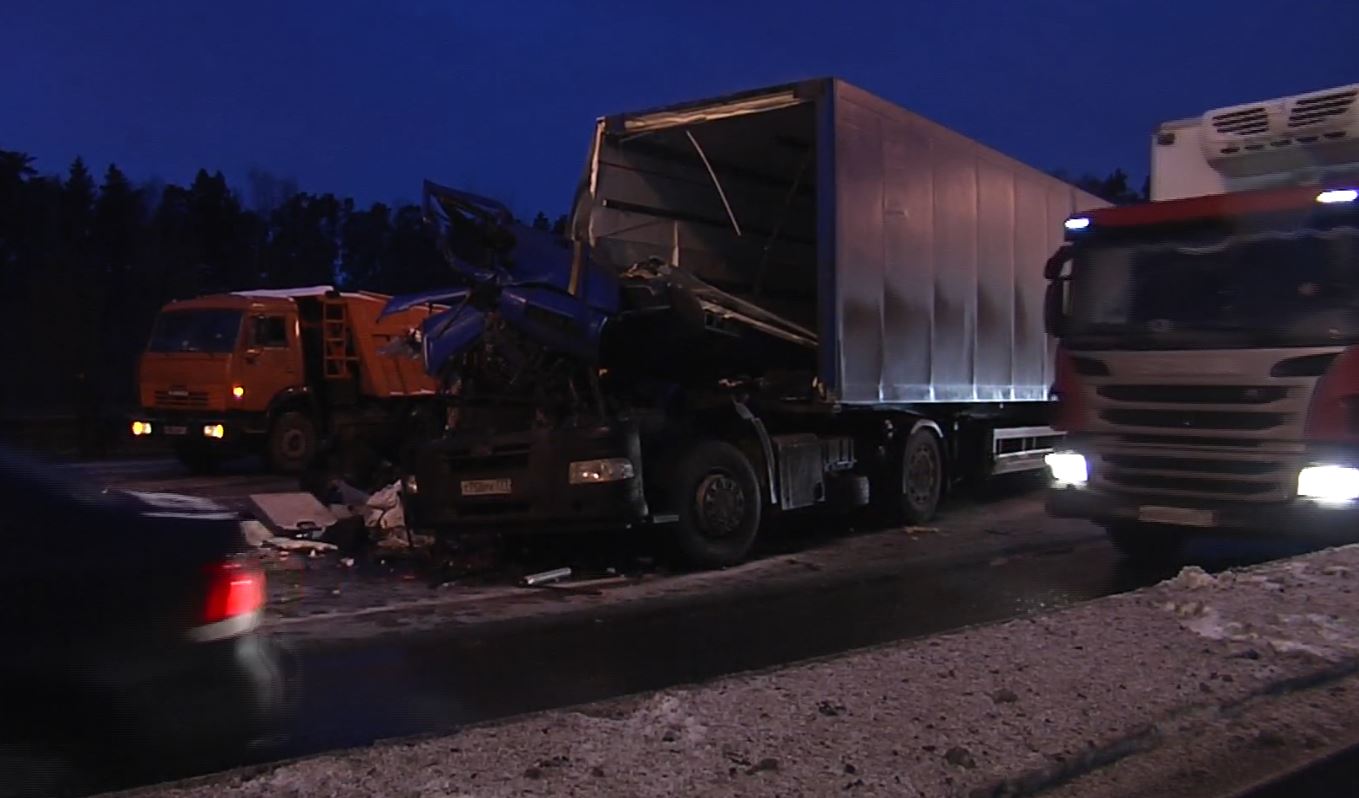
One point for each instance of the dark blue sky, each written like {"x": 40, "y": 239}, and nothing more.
{"x": 368, "y": 98}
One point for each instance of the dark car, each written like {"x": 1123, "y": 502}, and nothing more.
{"x": 131, "y": 641}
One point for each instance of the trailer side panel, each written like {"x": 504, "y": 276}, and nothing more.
{"x": 939, "y": 249}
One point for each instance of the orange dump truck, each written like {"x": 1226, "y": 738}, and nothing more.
{"x": 280, "y": 372}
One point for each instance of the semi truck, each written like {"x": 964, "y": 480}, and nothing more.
{"x": 792, "y": 298}
{"x": 280, "y": 373}
{"x": 1207, "y": 374}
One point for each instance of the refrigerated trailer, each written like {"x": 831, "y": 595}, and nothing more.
{"x": 866, "y": 294}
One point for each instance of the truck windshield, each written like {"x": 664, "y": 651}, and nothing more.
{"x": 1298, "y": 288}
{"x": 196, "y": 331}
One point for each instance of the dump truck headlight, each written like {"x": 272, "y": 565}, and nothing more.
{"x": 238, "y": 391}
{"x": 141, "y": 428}
{"x": 1068, "y": 468}
{"x": 214, "y": 431}
{"x": 614, "y": 469}
{"x": 1331, "y": 484}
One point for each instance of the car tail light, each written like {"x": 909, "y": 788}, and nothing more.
{"x": 1334, "y": 412}
{"x": 1071, "y": 406}
{"x": 234, "y": 590}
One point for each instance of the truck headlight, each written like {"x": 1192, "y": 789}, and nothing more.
{"x": 1068, "y": 468}
{"x": 1329, "y": 483}
{"x": 214, "y": 431}
{"x": 614, "y": 469}
{"x": 140, "y": 428}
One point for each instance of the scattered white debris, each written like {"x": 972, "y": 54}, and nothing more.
{"x": 546, "y": 577}
{"x": 349, "y": 495}
{"x": 299, "y": 544}
{"x": 921, "y": 530}
{"x": 347, "y": 562}
{"x": 384, "y": 509}
{"x": 255, "y": 533}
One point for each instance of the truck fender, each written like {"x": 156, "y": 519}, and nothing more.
{"x": 288, "y": 398}
{"x": 945, "y": 444}
{"x": 929, "y": 424}
{"x": 766, "y": 446}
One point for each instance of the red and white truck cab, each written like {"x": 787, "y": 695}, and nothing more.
{"x": 1208, "y": 358}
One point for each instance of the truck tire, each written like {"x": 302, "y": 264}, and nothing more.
{"x": 718, "y": 501}
{"x": 922, "y": 477}
{"x": 1146, "y": 544}
{"x": 292, "y": 442}
{"x": 198, "y": 458}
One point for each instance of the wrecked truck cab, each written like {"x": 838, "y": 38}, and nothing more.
{"x": 796, "y": 298}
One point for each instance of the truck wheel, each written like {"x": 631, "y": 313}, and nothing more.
{"x": 922, "y": 477}
{"x": 197, "y": 457}
{"x": 1146, "y": 544}
{"x": 292, "y": 442}
{"x": 718, "y": 503}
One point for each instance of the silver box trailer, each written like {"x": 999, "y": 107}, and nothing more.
{"x": 913, "y": 252}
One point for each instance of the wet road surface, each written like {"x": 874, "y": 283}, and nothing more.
{"x": 356, "y": 692}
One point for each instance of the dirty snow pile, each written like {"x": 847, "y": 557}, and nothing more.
{"x": 1215, "y": 607}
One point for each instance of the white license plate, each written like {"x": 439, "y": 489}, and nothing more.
{"x": 176, "y": 430}
{"x": 1179, "y": 516}
{"x": 487, "y": 487}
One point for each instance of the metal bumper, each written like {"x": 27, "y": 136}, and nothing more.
{"x": 532, "y": 470}
{"x": 1295, "y": 518}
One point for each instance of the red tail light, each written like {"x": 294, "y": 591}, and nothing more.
{"x": 233, "y": 590}
{"x": 1071, "y": 406}
{"x": 1334, "y": 413}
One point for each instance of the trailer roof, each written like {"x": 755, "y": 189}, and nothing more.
{"x": 287, "y": 293}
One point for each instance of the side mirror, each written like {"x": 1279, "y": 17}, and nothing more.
{"x": 1052, "y": 270}
{"x": 1054, "y": 308}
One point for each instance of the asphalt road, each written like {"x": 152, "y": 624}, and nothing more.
{"x": 994, "y": 558}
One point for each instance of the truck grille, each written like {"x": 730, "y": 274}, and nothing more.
{"x": 1198, "y": 427}
{"x": 470, "y": 458}
{"x": 182, "y": 399}
{"x": 1195, "y": 394}
{"x": 1196, "y": 472}
{"x": 1196, "y": 420}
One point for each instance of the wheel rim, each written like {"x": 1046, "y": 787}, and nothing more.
{"x": 721, "y": 505}
{"x": 293, "y": 443}
{"x": 922, "y": 477}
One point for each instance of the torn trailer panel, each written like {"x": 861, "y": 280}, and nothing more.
{"x": 913, "y": 252}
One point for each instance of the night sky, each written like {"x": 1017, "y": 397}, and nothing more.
{"x": 499, "y": 96}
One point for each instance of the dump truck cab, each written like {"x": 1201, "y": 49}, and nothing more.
{"x": 274, "y": 373}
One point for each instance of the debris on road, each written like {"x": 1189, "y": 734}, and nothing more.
{"x": 349, "y": 495}
{"x": 255, "y": 533}
{"x": 293, "y": 514}
{"x": 300, "y": 544}
{"x": 920, "y": 530}
{"x": 546, "y": 577}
